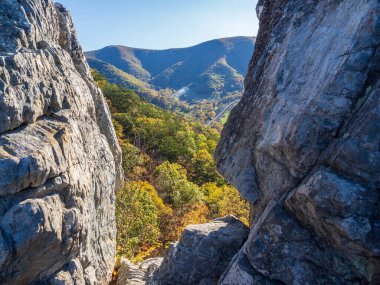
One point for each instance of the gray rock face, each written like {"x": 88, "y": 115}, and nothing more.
{"x": 131, "y": 274}
{"x": 59, "y": 157}
{"x": 303, "y": 146}
{"x": 202, "y": 254}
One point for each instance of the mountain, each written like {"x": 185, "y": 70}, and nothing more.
{"x": 210, "y": 70}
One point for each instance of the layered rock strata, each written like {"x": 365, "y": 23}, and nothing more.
{"x": 59, "y": 156}
{"x": 303, "y": 145}
{"x": 137, "y": 274}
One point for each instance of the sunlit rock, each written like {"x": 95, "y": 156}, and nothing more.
{"x": 59, "y": 157}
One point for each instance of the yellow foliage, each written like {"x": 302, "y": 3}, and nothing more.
{"x": 174, "y": 153}
{"x": 146, "y": 252}
{"x": 118, "y": 131}
{"x": 232, "y": 204}
{"x": 161, "y": 207}
{"x": 151, "y": 122}
{"x": 225, "y": 200}
{"x": 136, "y": 220}
{"x": 197, "y": 215}
{"x": 203, "y": 168}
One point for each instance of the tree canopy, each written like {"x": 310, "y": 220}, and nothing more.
{"x": 170, "y": 175}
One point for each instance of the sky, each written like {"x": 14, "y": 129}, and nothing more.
{"x": 160, "y": 24}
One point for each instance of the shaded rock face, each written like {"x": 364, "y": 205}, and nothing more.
{"x": 303, "y": 146}
{"x": 59, "y": 157}
{"x": 202, "y": 254}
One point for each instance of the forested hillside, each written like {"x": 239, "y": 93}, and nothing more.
{"x": 170, "y": 173}
{"x": 196, "y": 80}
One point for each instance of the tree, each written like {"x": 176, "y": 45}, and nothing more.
{"x": 225, "y": 200}
{"x": 231, "y": 203}
{"x": 173, "y": 186}
{"x": 136, "y": 220}
{"x": 203, "y": 168}
{"x": 134, "y": 162}
{"x": 162, "y": 209}
{"x": 169, "y": 169}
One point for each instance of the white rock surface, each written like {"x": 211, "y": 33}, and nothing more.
{"x": 137, "y": 274}
{"x": 59, "y": 156}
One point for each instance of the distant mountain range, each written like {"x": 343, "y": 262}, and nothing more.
{"x": 211, "y": 70}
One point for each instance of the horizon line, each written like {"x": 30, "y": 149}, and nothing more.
{"x": 173, "y": 48}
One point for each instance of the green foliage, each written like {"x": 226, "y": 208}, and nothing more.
{"x": 203, "y": 168}
{"x": 232, "y": 204}
{"x": 134, "y": 161}
{"x": 161, "y": 134}
{"x": 171, "y": 182}
{"x": 136, "y": 220}
{"x": 170, "y": 174}
{"x": 225, "y": 118}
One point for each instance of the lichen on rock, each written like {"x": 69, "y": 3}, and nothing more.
{"x": 59, "y": 156}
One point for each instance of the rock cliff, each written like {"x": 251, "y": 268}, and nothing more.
{"x": 59, "y": 157}
{"x": 303, "y": 145}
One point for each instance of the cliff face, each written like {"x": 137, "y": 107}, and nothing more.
{"x": 303, "y": 145}
{"x": 59, "y": 157}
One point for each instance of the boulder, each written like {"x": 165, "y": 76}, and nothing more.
{"x": 202, "y": 254}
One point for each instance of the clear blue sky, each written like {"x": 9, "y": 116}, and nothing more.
{"x": 159, "y": 24}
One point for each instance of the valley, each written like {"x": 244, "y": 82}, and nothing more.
{"x": 197, "y": 80}
{"x": 184, "y": 166}
{"x": 168, "y": 107}
{"x": 170, "y": 175}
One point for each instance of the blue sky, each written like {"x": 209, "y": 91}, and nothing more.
{"x": 159, "y": 24}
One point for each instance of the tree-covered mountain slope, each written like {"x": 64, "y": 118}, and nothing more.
{"x": 210, "y": 70}
{"x": 170, "y": 175}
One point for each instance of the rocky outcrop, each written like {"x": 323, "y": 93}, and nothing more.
{"x": 303, "y": 146}
{"x": 131, "y": 274}
{"x": 202, "y": 254}
{"x": 59, "y": 157}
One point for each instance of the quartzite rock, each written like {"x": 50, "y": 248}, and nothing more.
{"x": 59, "y": 156}
{"x": 131, "y": 274}
{"x": 202, "y": 254}
{"x": 303, "y": 145}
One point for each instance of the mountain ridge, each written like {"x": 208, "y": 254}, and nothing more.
{"x": 211, "y": 69}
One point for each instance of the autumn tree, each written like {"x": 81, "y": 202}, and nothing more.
{"x": 170, "y": 174}
{"x": 136, "y": 220}
{"x": 203, "y": 169}
{"x": 172, "y": 185}
{"x": 225, "y": 200}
